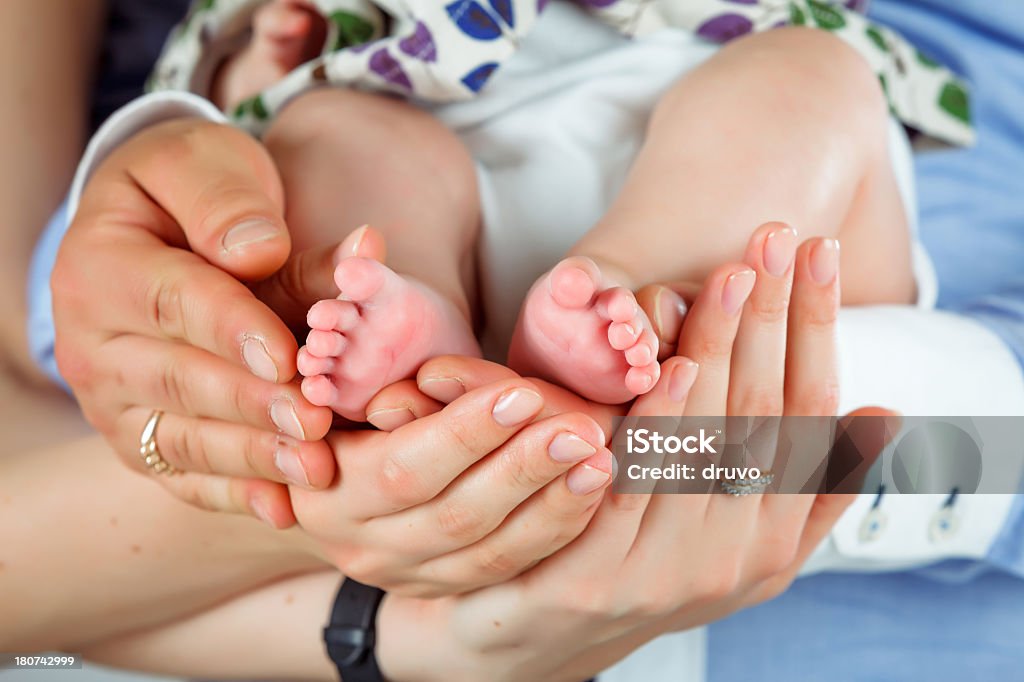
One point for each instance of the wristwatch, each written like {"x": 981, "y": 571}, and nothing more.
{"x": 351, "y": 633}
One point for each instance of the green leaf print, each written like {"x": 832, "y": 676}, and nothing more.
{"x": 926, "y": 60}
{"x": 954, "y": 100}
{"x": 352, "y": 29}
{"x": 796, "y": 15}
{"x": 254, "y": 106}
{"x": 826, "y": 17}
{"x": 877, "y": 38}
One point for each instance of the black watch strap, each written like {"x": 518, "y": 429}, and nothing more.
{"x": 351, "y": 634}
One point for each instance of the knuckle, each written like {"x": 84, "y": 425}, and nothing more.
{"x": 820, "y": 398}
{"x": 171, "y": 384}
{"x": 519, "y": 469}
{"x": 164, "y": 306}
{"x": 497, "y": 562}
{"x": 74, "y": 365}
{"x": 188, "y": 450}
{"x": 769, "y": 310}
{"x": 713, "y": 348}
{"x": 460, "y": 522}
{"x": 761, "y": 400}
{"x": 719, "y": 583}
{"x": 399, "y": 484}
{"x": 460, "y": 435}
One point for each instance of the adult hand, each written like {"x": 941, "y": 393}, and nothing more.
{"x": 649, "y": 564}
{"x": 471, "y": 495}
{"x": 152, "y": 314}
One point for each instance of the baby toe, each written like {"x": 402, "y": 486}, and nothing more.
{"x": 360, "y": 278}
{"x": 332, "y": 314}
{"x": 319, "y": 390}
{"x": 623, "y": 335}
{"x": 640, "y": 380}
{"x": 311, "y": 365}
{"x": 617, "y": 304}
{"x": 325, "y": 343}
{"x": 572, "y": 282}
{"x": 644, "y": 351}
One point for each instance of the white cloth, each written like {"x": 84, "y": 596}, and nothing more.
{"x": 553, "y": 137}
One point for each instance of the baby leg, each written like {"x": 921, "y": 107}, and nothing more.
{"x": 789, "y": 125}
{"x": 285, "y": 34}
{"x": 349, "y": 159}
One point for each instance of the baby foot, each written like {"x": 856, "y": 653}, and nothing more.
{"x": 577, "y": 328}
{"x": 379, "y": 331}
{"x": 285, "y": 34}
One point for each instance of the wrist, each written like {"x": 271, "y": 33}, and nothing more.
{"x": 415, "y": 642}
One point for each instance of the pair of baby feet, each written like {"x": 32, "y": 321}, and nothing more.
{"x": 576, "y": 328}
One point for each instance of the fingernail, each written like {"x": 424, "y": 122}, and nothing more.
{"x": 262, "y": 511}
{"x": 282, "y": 413}
{"x": 444, "y": 389}
{"x": 584, "y": 479}
{"x": 257, "y": 358}
{"x": 359, "y": 240}
{"x": 516, "y": 406}
{"x": 669, "y": 310}
{"x": 248, "y": 233}
{"x": 736, "y": 290}
{"x": 288, "y": 462}
{"x": 824, "y": 261}
{"x": 568, "y": 447}
{"x": 779, "y": 251}
{"x": 390, "y": 418}
{"x": 681, "y": 380}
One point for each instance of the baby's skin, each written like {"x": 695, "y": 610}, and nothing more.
{"x": 576, "y": 328}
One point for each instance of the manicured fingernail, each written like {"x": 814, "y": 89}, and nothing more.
{"x": 568, "y": 447}
{"x": 282, "y": 413}
{"x": 248, "y": 233}
{"x": 824, "y": 261}
{"x": 444, "y": 389}
{"x": 681, "y": 380}
{"x": 669, "y": 310}
{"x": 358, "y": 243}
{"x": 390, "y": 418}
{"x": 262, "y": 511}
{"x": 516, "y": 406}
{"x": 288, "y": 462}
{"x": 736, "y": 290}
{"x": 257, "y": 358}
{"x": 779, "y": 250}
{"x": 584, "y": 479}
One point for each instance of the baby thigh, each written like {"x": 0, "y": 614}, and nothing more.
{"x": 789, "y": 125}
{"x": 350, "y": 158}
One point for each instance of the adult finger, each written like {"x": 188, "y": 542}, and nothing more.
{"x": 812, "y": 380}
{"x": 169, "y": 293}
{"x": 221, "y": 188}
{"x": 536, "y": 529}
{"x": 207, "y": 446}
{"x": 191, "y": 382}
{"x": 708, "y": 334}
{"x": 269, "y": 502}
{"x": 757, "y": 374}
{"x": 666, "y": 309}
{"x": 422, "y": 458}
{"x": 479, "y": 500}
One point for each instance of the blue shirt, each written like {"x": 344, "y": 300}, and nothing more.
{"x": 957, "y": 620}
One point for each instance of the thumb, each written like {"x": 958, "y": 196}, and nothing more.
{"x": 308, "y": 276}
{"x": 221, "y": 188}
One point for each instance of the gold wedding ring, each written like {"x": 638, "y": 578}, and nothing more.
{"x": 150, "y": 454}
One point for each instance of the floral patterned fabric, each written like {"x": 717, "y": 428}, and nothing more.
{"x": 447, "y": 50}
